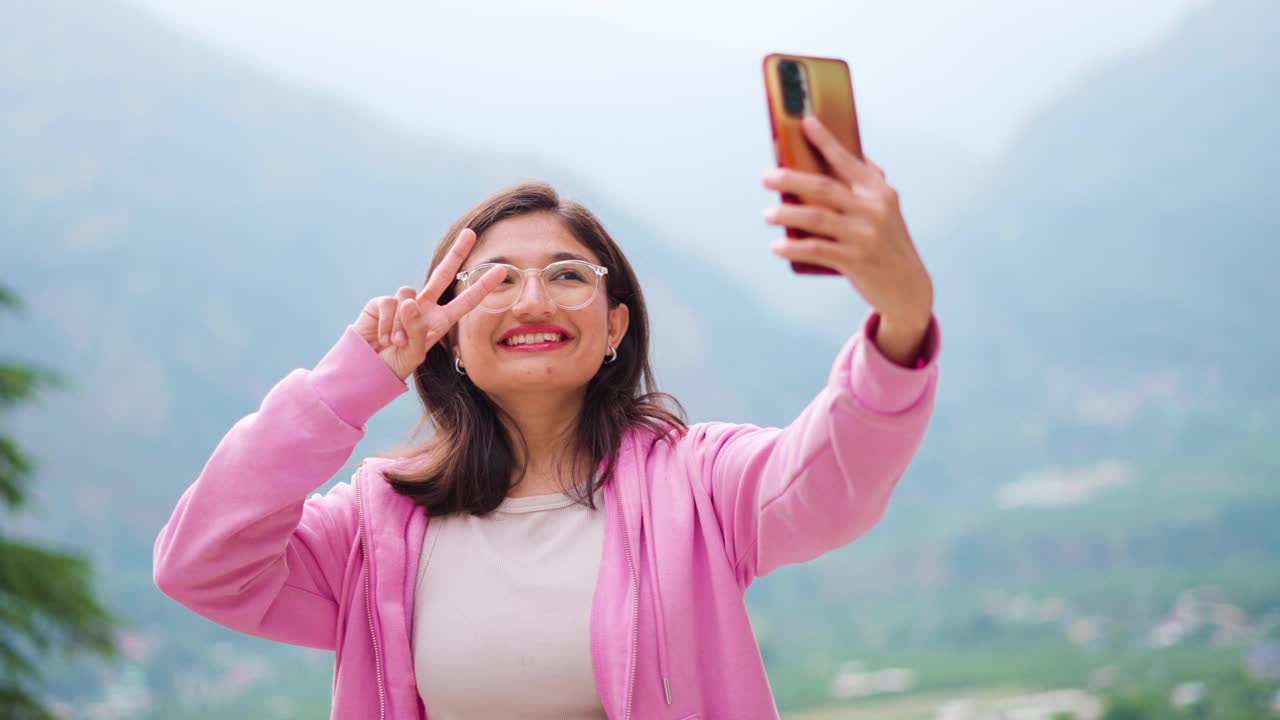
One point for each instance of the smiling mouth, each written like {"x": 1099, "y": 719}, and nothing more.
{"x": 534, "y": 341}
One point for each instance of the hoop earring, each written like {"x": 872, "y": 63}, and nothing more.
{"x": 612, "y": 357}
{"x": 456, "y": 366}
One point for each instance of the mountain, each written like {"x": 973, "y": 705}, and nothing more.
{"x": 1107, "y": 290}
{"x": 186, "y": 231}
{"x": 1106, "y": 441}
{"x": 669, "y": 125}
{"x": 1131, "y": 226}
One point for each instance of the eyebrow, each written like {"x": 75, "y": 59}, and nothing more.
{"x": 553, "y": 258}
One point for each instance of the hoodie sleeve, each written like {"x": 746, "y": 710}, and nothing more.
{"x": 788, "y": 495}
{"x": 246, "y": 547}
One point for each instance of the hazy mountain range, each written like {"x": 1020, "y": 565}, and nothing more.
{"x": 185, "y": 231}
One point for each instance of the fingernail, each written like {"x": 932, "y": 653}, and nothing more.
{"x": 386, "y": 340}
{"x": 399, "y": 336}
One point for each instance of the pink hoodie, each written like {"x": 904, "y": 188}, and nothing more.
{"x": 689, "y": 526}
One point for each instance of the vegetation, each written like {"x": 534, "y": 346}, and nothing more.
{"x": 47, "y": 602}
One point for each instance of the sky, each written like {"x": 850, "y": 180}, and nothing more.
{"x": 658, "y": 105}
{"x": 966, "y": 73}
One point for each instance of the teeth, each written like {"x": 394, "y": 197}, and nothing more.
{"x": 533, "y": 338}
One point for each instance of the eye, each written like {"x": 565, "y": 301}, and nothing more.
{"x": 481, "y": 270}
{"x": 571, "y": 271}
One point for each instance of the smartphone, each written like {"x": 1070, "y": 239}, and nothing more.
{"x": 799, "y": 85}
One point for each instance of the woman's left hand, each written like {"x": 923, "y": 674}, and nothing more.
{"x": 869, "y": 243}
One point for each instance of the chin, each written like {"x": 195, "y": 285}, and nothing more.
{"x": 543, "y": 376}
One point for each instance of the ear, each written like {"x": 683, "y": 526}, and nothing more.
{"x": 619, "y": 320}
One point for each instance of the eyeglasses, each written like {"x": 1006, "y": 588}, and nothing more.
{"x": 570, "y": 284}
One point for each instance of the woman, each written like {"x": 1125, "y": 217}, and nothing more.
{"x": 564, "y": 546}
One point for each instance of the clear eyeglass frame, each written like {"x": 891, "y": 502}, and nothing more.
{"x": 478, "y": 272}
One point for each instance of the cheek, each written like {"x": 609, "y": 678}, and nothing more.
{"x": 473, "y": 333}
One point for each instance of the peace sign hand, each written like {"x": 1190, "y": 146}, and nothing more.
{"x": 403, "y": 327}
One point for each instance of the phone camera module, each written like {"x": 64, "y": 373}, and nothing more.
{"x": 793, "y": 90}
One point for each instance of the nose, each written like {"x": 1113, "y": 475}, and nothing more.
{"x": 533, "y": 300}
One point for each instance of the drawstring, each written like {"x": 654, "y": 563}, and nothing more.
{"x": 647, "y": 524}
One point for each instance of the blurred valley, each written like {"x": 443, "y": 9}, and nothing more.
{"x": 1095, "y": 506}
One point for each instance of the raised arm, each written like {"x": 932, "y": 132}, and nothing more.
{"x": 788, "y": 495}
{"x": 245, "y": 546}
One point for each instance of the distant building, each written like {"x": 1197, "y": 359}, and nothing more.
{"x": 1262, "y": 661}
{"x": 1185, "y": 694}
{"x": 1083, "y": 631}
{"x": 1078, "y": 704}
{"x": 1168, "y": 632}
{"x": 1103, "y": 677}
{"x": 1061, "y": 487}
{"x": 853, "y": 681}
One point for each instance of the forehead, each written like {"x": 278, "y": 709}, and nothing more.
{"x": 531, "y": 240}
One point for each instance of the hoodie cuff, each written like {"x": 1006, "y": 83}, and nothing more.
{"x": 880, "y": 384}
{"x": 353, "y": 381}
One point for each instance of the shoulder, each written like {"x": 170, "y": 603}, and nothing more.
{"x": 688, "y": 448}
{"x": 373, "y": 476}
{"x": 697, "y": 438}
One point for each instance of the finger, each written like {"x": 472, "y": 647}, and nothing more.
{"x": 818, "y": 252}
{"x": 415, "y": 328}
{"x": 811, "y": 188}
{"x": 872, "y": 164}
{"x": 446, "y": 271}
{"x": 386, "y": 314}
{"x": 399, "y": 336}
{"x": 812, "y": 218}
{"x": 471, "y": 297}
{"x": 846, "y": 165}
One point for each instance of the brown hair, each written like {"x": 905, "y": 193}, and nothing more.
{"x": 468, "y": 462}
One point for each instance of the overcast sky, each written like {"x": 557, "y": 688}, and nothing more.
{"x": 963, "y": 72}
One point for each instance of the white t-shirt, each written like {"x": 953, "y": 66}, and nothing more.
{"x": 502, "y": 611}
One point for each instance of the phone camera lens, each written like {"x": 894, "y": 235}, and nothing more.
{"x": 792, "y": 88}
{"x": 793, "y": 102}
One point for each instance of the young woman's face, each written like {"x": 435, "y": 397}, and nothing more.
{"x": 500, "y": 366}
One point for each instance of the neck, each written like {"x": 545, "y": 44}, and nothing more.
{"x": 547, "y": 423}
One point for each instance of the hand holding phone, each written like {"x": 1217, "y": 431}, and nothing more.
{"x": 799, "y": 85}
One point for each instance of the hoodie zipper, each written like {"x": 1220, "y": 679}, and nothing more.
{"x": 635, "y": 596}
{"x": 422, "y": 558}
{"x": 422, "y": 710}
{"x": 368, "y": 604}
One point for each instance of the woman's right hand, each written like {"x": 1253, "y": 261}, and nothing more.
{"x": 403, "y": 327}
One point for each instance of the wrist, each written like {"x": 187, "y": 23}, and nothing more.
{"x": 901, "y": 337}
